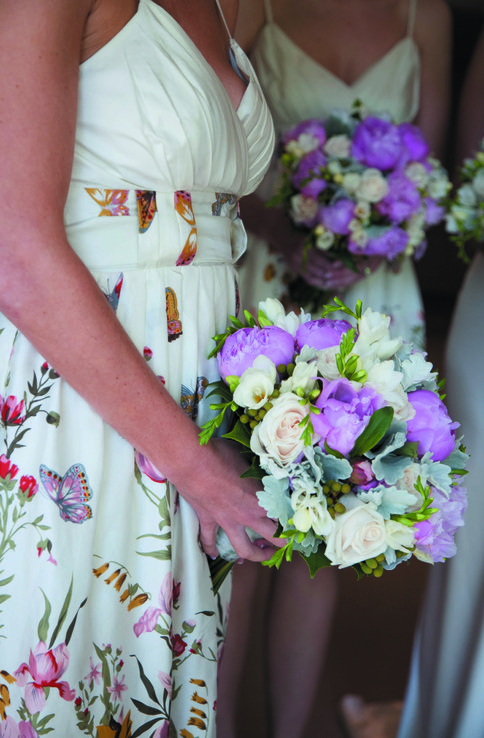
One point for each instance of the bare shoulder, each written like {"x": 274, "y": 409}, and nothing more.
{"x": 230, "y": 9}
{"x": 433, "y": 15}
{"x": 250, "y": 20}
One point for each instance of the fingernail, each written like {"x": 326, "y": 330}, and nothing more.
{"x": 240, "y": 561}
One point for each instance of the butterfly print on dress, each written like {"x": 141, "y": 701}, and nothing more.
{"x": 173, "y": 322}
{"x": 70, "y": 493}
{"x": 146, "y": 200}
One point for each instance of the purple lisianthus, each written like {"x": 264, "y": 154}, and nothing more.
{"x": 321, "y": 334}
{"x": 415, "y": 147}
{"x": 307, "y": 177}
{"x": 433, "y": 213}
{"x": 336, "y": 218}
{"x": 245, "y": 345}
{"x": 389, "y": 244}
{"x": 435, "y": 536}
{"x": 402, "y": 200}
{"x": 345, "y": 413}
{"x": 312, "y": 127}
{"x": 431, "y": 426}
{"x": 377, "y": 143}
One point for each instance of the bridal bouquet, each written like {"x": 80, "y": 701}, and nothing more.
{"x": 361, "y": 186}
{"x": 465, "y": 216}
{"x": 358, "y": 458}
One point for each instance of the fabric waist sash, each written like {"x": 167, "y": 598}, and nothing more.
{"x": 144, "y": 229}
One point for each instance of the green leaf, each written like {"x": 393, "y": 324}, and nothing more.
{"x": 240, "y": 433}
{"x": 254, "y": 471}
{"x": 70, "y": 629}
{"x": 146, "y": 709}
{"x": 163, "y": 555}
{"x": 62, "y": 616}
{"x": 379, "y": 423}
{"x": 146, "y": 682}
{"x": 316, "y": 561}
{"x": 43, "y": 627}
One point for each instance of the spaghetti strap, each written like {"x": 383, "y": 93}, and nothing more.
{"x": 412, "y": 12}
{"x": 268, "y": 11}
{"x": 223, "y": 18}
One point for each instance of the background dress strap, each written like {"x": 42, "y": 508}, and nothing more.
{"x": 268, "y": 11}
{"x": 223, "y": 18}
{"x": 412, "y": 12}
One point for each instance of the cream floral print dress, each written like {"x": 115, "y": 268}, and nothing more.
{"x": 108, "y": 624}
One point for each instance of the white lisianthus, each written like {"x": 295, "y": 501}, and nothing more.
{"x": 416, "y": 172}
{"x": 303, "y": 377}
{"x": 303, "y": 208}
{"x": 310, "y": 509}
{"x": 303, "y": 145}
{"x": 383, "y": 378}
{"x": 398, "y": 536}
{"x": 374, "y": 329}
{"x": 277, "y": 438}
{"x": 256, "y": 384}
{"x": 274, "y": 311}
{"x": 351, "y": 182}
{"x": 373, "y": 186}
{"x": 357, "y": 535}
{"x": 478, "y": 183}
{"x": 327, "y": 366}
{"x": 338, "y": 146}
{"x": 324, "y": 240}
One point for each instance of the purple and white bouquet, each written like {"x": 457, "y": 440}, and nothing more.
{"x": 358, "y": 458}
{"x": 361, "y": 186}
{"x": 465, "y": 215}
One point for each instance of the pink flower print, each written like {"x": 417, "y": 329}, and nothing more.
{"x": 7, "y": 468}
{"x": 166, "y": 681}
{"x": 95, "y": 672}
{"x": 43, "y": 670}
{"x": 147, "y": 622}
{"x": 163, "y": 731}
{"x": 10, "y": 729}
{"x": 118, "y": 688}
{"x": 29, "y": 486}
{"x": 166, "y": 594}
{"x": 12, "y": 411}
{"x": 146, "y": 467}
{"x": 169, "y": 593}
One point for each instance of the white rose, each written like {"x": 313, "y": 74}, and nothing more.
{"x": 338, "y": 146}
{"x": 256, "y": 384}
{"x": 478, "y": 183}
{"x": 303, "y": 145}
{"x": 373, "y": 186}
{"x": 358, "y": 534}
{"x": 327, "y": 363}
{"x": 417, "y": 173}
{"x": 303, "y": 377}
{"x": 351, "y": 182}
{"x": 277, "y": 438}
{"x": 398, "y": 536}
{"x": 303, "y": 208}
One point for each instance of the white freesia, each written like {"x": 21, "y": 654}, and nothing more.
{"x": 373, "y": 186}
{"x": 478, "y": 183}
{"x": 351, "y": 182}
{"x": 327, "y": 366}
{"x": 338, "y": 146}
{"x": 310, "y": 508}
{"x": 373, "y": 329}
{"x": 303, "y": 377}
{"x": 303, "y": 145}
{"x": 303, "y": 208}
{"x": 417, "y": 173}
{"x": 256, "y": 384}
{"x": 357, "y": 535}
{"x": 383, "y": 378}
{"x": 398, "y": 536}
{"x": 277, "y": 438}
{"x": 274, "y": 311}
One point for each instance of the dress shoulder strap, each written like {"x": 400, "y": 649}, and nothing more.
{"x": 223, "y": 18}
{"x": 412, "y": 12}
{"x": 268, "y": 11}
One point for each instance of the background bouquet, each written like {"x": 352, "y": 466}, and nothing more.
{"x": 358, "y": 458}
{"x": 361, "y": 186}
{"x": 465, "y": 216}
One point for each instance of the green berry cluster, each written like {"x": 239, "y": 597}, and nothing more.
{"x": 334, "y": 492}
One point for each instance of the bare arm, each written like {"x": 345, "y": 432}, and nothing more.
{"x": 73, "y": 326}
{"x": 433, "y": 31}
{"x": 470, "y": 125}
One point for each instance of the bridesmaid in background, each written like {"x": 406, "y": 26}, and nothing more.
{"x": 310, "y": 57}
{"x": 446, "y": 686}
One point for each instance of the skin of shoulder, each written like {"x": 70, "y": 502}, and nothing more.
{"x": 250, "y": 21}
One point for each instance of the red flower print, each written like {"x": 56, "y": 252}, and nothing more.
{"x": 29, "y": 486}
{"x": 12, "y": 411}
{"x": 178, "y": 645}
{"x": 147, "y": 353}
{"x": 7, "y": 468}
{"x": 43, "y": 670}
{"x": 78, "y": 702}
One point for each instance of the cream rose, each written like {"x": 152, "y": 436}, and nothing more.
{"x": 373, "y": 186}
{"x": 277, "y": 438}
{"x": 351, "y": 182}
{"x": 338, "y": 146}
{"x": 358, "y": 534}
{"x": 303, "y": 208}
{"x": 417, "y": 173}
{"x": 304, "y": 144}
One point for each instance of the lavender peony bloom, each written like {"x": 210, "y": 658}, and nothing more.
{"x": 321, "y": 334}
{"x": 241, "y": 348}
{"x": 431, "y": 426}
{"x": 402, "y": 200}
{"x": 308, "y": 169}
{"x": 415, "y": 147}
{"x": 433, "y": 213}
{"x": 336, "y": 218}
{"x": 345, "y": 413}
{"x": 312, "y": 127}
{"x": 377, "y": 143}
{"x": 390, "y": 244}
{"x": 435, "y": 536}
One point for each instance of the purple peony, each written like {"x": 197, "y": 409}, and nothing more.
{"x": 307, "y": 177}
{"x": 390, "y": 244}
{"x": 321, "y": 334}
{"x": 245, "y": 345}
{"x": 415, "y": 147}
{"x": 433, "y": 213}
{"x": 435, "y": 536}
{"x": 336, "y": 218}
{"x": 431, "y": 426}
{"x": 312, "y": 127}
{"x": 345, "y": 413}
{"x": 402, "y": 200}
{"x": 377, "y": 143}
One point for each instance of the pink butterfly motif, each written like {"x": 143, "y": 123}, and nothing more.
{"x": 70, "y": 493}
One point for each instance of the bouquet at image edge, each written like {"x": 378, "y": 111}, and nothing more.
{"x": 359, "y": 187}
{"x": 465, "y": 215}
{"x": 358, "y": 459}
